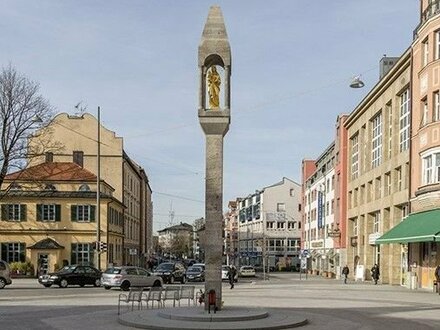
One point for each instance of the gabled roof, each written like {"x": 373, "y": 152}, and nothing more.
{"x": 53, "y": 171}
{"x": 180, "y": 227}
{"x": 46, "y": 244}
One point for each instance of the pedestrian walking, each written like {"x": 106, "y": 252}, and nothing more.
{"x": 437, "y": 278}
{"x": 345, "y": 272}
{"x": 375, "y": 273}
{"x": 231, "y": 275}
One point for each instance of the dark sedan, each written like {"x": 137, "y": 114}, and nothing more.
{"x": 195, "y": 273}
{"x": 72, "y": 275}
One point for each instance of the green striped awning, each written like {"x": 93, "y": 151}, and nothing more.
{"x": 417, "y": 227}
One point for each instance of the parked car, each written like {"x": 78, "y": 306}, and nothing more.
{"x": 246, "y": 271}
{"x": 171, "y": 272}
{"x": 195, "y": 273}
{"x": 225, "y": 271}
{"x": 72, "y": 275}
{"x": 128, "y": 276}
{"x": 5, "y": 274}
{"x": 201, "y": 265}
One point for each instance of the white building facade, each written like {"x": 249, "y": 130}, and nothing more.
{"x": 269, "y": 226}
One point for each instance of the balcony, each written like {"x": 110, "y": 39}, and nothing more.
{"x": 431, "y": 10}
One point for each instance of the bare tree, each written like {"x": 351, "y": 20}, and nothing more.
{"x": 22, "y": 110}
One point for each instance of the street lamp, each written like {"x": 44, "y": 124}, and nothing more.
{"x": 356, "y": 82}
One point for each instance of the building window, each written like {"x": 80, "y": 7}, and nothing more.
{"x": 431, "y": 168}
{"x": 425, "y": 112}
{"x": 355, "y": 227}
{"x": 437, "y": 44}
{"x": 78, "y": 158}
{"x": 48, "y": 212}
{"x": 388, "y": 184}
{"x": 13, "y": 252}
{"x": 84, "y": 187}
{"x": 404, "y": 120}
{"x": 355, "y": 156}
{"x": 376, "y": 151}
{"x": 280, "y": 225}
{"x": 425, "y": 52}
{"x": 49, "y": 157}
{"x": 83, "y": 213}
{"x": 82, "y": 253}
{"x": 436, "y": 106}
{"x": 292, "y": 192}
{"x": 13, "y": 212}
{"x": 281, "y": 207}
{"x": 399, "y": 178}
{"x": 390, "y": 129}
{"x": 376, "y": 223}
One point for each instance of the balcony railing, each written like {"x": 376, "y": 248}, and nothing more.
{"x": 431, "y": 10}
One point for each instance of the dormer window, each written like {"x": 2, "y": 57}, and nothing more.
{"x": 15, "y": 187}
{"x": 84, "y": 187}
{"x": 50, "y": 187}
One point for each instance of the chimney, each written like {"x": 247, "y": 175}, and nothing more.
{"x": 385, "y": 65}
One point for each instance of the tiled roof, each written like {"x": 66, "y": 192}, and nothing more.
{"x": 46, "y": 244}
{"x": 53, "y": 172}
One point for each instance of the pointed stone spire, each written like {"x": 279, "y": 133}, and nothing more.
{"x": 214, "y": 38}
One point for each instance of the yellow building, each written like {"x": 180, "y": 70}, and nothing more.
{"x": 78, "y": 137}
{"x": 48, "y": 217}
{"x": 378, "y": 132}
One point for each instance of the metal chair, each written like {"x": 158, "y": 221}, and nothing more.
{"x": 134, "y": 296}
{"x": 154, "y": 294}
{"x": 170, "y": 293}
{"x": 187, "y": 292}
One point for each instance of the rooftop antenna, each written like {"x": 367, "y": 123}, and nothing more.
{"x": 80, "y": 109}
{"x": 171, "y": 214}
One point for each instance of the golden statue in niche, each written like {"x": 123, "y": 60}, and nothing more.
{"x": 214, "y": 81}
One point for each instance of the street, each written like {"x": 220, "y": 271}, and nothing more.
{"x": 327, "y": 304}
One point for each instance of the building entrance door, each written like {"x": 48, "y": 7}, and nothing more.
{"x": 43, "y": 263}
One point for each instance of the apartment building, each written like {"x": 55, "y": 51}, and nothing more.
{"x": 419, "y": 234}
{"x": 48, "y": 217}
{"x": 231, "y": 234}
{"x": 78, "y": 136}
{"x": 319, "y": 226}
{"x": 378, "y": 132}
{"x": 269, "y": 229}
{"x": 176, "y": 241}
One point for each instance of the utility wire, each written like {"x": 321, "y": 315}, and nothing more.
{"x": 179, "y": 197}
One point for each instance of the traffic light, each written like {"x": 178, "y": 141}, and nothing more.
{"x": 102, "y": 246}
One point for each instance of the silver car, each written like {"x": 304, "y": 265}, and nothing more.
{"x": 128, "y": 276}
{"x": 5, "y": 274}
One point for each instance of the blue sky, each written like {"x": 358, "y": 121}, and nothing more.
{"x": 292, "y": 64}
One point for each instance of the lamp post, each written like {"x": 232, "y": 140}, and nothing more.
{"x": 98, "y": 196}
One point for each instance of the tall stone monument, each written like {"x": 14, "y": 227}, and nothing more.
{"x": 214, "y": 116}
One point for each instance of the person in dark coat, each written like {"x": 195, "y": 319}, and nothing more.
{"x": 231, "y": 275}
{"x": 345, "y": 272}
{"x": 375, "y": 273}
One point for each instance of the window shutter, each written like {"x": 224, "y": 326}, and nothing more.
{"x": 57, "y": 212}
{"x": 5, "y": 212}
{"x": 22, "y": 252}
{"x": 92, "y": 213}
{"x": 73, "y": 212}
{"x": 23, "y": 215}
{"x": 39, "y": 212}
{"x": 4, "y": 248}
{"x": 73, "y": 254}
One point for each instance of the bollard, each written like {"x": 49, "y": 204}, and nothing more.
{"x": 211, "y": 301}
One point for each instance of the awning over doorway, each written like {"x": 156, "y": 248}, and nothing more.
{"x": 46, "y": 244}
{"x": 417, "y": 227}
